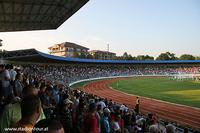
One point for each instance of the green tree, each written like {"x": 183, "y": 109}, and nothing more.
{"x": 130, "y": 57}
{"x": 147, "y": 57}
{"x": 125, "y": 56}
{"x": 187, "y": 57}
{"x": 197, "y": 57}
{"x": 140, "y": 57}
{"x": 166, "y": 56}
{"x": 133, "y": 58}
{"x": 144, "y": 57}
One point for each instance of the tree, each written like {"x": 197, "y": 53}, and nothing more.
{"x": 197, "y": 57}
{"x": 130, "y": 57}
{"x": 140, "y": 57}
{"x": 125, "y": 56}
{"x": 144, "y": 57}
{"x": 166, "y": 56}
{"x": 147, "y": 57}
{"x": 133, "y": 58}
{"x": 187, "y": 57}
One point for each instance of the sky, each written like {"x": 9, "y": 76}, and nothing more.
{"x": 138, "y": 27}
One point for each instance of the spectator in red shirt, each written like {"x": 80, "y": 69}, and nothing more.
{"x": 90, "y": 121}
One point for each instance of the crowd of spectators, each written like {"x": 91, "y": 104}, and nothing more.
{"x": 74, "y": 72}
{"x": 36, "y": 97}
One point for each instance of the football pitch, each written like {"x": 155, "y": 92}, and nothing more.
{"x": 185, "y": 92}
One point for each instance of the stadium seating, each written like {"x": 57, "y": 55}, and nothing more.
{"x": 75, "y": 108}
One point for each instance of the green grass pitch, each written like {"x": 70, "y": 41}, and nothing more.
{"x": 162, "y": 88}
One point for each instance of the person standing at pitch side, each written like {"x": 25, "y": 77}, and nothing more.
{"x": 137, "y": 107}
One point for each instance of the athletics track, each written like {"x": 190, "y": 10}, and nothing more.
{"x": 181, "y": 115}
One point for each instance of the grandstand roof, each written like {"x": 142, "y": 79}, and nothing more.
{"x": 23, "y": 15}
{"x": 34, "y": 56}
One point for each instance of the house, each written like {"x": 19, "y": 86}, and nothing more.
{"x": 103, "y": 55}
{"x": 67, "y": 49}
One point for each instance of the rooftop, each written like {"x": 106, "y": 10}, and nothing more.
{"x": 69, "y": 44}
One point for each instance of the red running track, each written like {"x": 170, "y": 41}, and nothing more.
{"x": 183, "y": 115}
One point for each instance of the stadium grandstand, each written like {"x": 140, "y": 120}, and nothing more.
{"x": 53, "y": 74}
{"x": 27, "y": 54}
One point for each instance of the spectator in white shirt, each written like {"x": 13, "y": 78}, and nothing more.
{"x": 102, "y": 103}
{"x": 13, "y": 73}
{"x": 115, "y": 124}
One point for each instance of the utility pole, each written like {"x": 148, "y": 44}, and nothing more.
{"x": 108, "y": 47}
